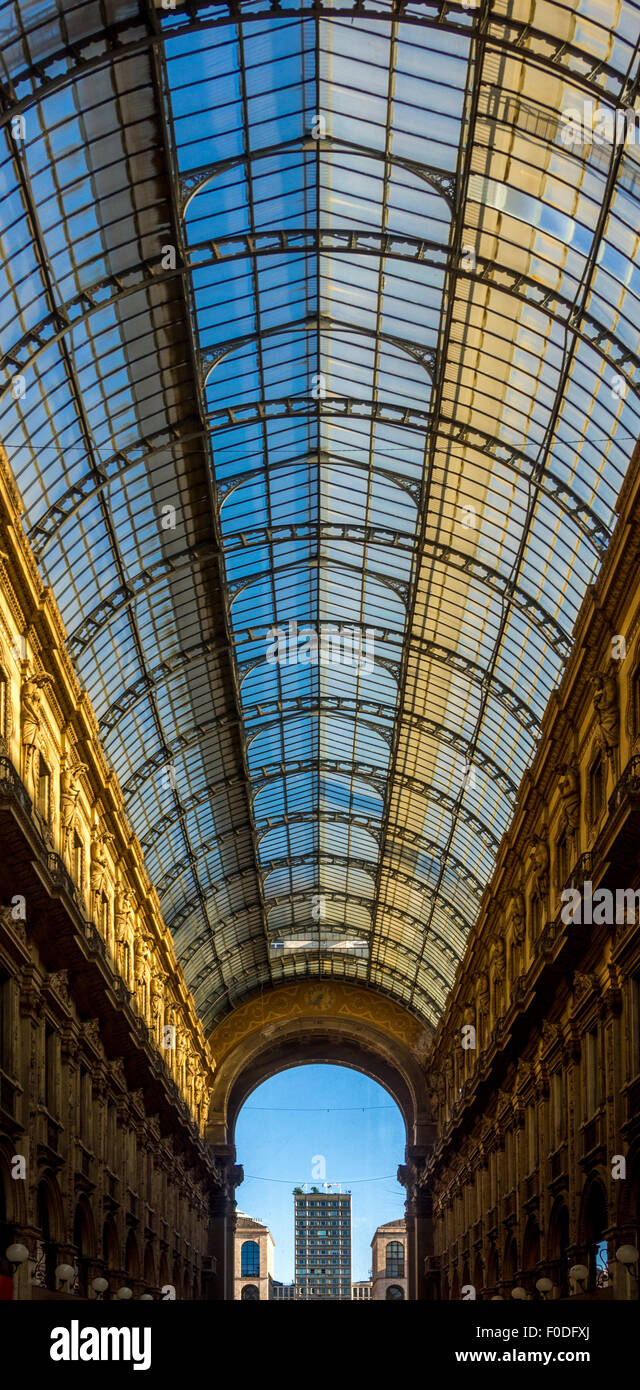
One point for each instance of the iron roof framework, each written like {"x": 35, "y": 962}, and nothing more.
{"x": 312, "y": 315}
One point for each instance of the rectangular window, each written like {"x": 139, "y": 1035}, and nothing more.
{"x": 111, "y": 1135}
{"x": 513, "y": 963}
{"x": 509, "y": 1158}
{"x": 6, "y": 1051}
{"x": 559, "y": 1115}
{"x": 591, "y": 1063}
{"x": 536, "y": 916}
{"x": 531, "y": 1138}
{"x": 596, "y": 784}
{"x": 83, "y": 1125}
{"x": 78, "y": 859}
{"x": 562, "y": 860}
{"x": 44, "y": 789}
{"x": 636, "y": 700}
{"x": 633, "y": 1030}
{"x": 50, "y": 1068}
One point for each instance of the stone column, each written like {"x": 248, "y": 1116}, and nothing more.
{"x": 222, "y": 1221}
{"x": 419, "y": 1219}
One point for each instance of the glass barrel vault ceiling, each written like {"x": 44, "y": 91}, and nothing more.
{"x": 387, "y": 380}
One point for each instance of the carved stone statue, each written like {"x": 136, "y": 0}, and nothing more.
{"x": 499, "y": 973}
{"x": 143, "y": 954}
{"x": 539, "y": 863}
{"x": 69, "y": 793}
{"x": 98, "y": 872}
{"x": 124, "y": 933}
{"x": 516, "y": 916}
{"x": 157, "y": 1005}
{"x": 142, "y": 968}
{"x": 605, "y": 704}
{"x": 31, "y": 718}
{"x": 569, "y": 788}
{"x": 198, "y": 1097}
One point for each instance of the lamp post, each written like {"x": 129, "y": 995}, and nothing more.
{"x": 544, "y": 1286}
{"x": 579, "y": 1274}
{"x": 519, "y": 1293}
{"x": 99, "y": 1286}
{"x": 124, "y": 1292}
{"x": 16, "y": 1255}
{"x": 65, "y": 1274}
{"x": 628, "y": 1256}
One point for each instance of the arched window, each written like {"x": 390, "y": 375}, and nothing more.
{"x": 250, "y": 1260}
{"x": 395, "y": 1260}
{"x": 394, "y": 1291}
{"x": 250, "y": 1292}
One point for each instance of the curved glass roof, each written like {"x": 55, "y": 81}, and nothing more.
{"x": 319, "y": 335}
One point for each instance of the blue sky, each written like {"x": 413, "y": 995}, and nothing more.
{"x": 325, "y": 1111}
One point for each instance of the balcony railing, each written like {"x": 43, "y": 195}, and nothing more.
{"x": 581, "y": 871}
{"x": 94, "y": 940}
{"x": 11, "y": 785}
{"x": 628, "y": 785}
{"x": 60, "y": 876}
{"x": 122, "y": 993}
{"x": 142, "y": 1028}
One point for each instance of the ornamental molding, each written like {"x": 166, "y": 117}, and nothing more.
{"x": 90, "y": 1033}
{"x": 583, "y": 985}
{"x": 337, "y": 1001}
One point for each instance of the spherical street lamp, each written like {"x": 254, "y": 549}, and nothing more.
{"x": 627, "y": 1255}
{"x": 65, "y": 1274}
{"x": 544, "y": 1286}
{"x": 579, "y": 1275}
{"x": 124, "y": 1292}
{"x": 17, "y": 1254}
{"x": 99, "y": 1285}
{"x": 146, "y": 1298}
{"x": 519, "y": 1292}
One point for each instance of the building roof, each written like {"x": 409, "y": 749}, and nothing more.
{"x": 390, "y": 1226}
{"x": 249, "y": 1223}
{"x": 324, "y": 318}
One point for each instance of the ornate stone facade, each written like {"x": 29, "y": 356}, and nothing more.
{"x": 103, "y": 1162}
{"x": 536, "y": 1168}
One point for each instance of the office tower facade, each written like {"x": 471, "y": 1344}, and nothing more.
{"x": 323, "y": 1245}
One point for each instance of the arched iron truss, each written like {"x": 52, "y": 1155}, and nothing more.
{"x": 251, "y": 379}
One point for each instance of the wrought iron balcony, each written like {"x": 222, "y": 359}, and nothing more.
{"x": 581, "y": 871}
{"x": 94, "y": 940}
{"x": 627, "y": 786}
{"x": 59, "y": 875}
{"x": 11, "y": 785}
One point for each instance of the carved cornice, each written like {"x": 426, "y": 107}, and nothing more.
{"x": 65, "y": 725}
{"x": 90, "y": 1033}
